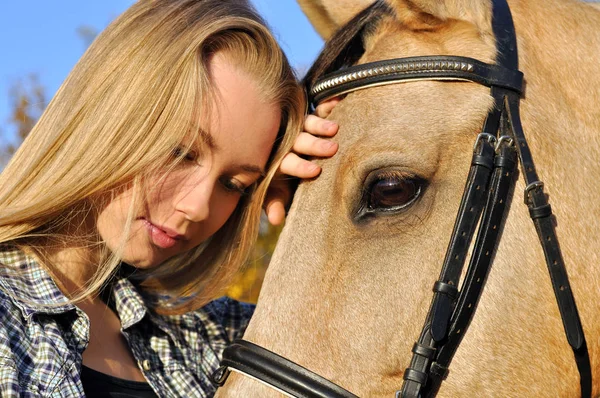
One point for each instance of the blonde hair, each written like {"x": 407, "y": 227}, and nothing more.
{"x": 133, "y": 94}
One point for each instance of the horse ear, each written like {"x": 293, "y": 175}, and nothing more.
{"x": 428, "y": 13}
{"x": 327, "y": 16}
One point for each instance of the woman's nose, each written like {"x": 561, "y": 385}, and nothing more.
{"x": 194, "y": 200}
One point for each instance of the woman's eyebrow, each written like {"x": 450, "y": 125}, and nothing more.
{"x": 253, "y": 169}
{"x": 208, "y": 139}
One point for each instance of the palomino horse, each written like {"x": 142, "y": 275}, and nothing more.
{"x": 349, "y": 286}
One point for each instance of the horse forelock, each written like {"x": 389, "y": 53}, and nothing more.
{"x": 345, "y": 47}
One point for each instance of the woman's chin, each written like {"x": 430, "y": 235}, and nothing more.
{"x": 139, "y": 252}
{"x": 144, "y": 261}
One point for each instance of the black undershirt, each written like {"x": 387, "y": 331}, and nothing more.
{"x": 100, "y": 385}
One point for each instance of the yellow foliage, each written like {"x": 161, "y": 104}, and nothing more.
{"x": 247, "y": 285}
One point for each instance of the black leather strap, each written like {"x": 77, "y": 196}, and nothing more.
{"x": 501, "y": 189}
{"x": 544, "y": 222}
{"x": 464, "y": 228}
{"x": 434, "y": 67}
{"x": 493, "y": 201}
{"x": 277, "y": 371}
{"x": 442, "y": 307}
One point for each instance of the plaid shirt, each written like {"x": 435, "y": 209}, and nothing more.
{"x": 41, "y": 347}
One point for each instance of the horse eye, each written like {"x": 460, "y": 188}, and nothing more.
{"x": 392, "y": 193}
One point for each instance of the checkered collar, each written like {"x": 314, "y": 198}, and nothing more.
{"x": 129, "y": 303}
{"x": 29, "y": 285}
{"x": 33, "y": 290}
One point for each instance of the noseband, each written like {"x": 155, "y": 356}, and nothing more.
{"x": 482, "y": 212}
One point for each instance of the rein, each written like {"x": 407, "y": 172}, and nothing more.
{"x": 488, "y": 191}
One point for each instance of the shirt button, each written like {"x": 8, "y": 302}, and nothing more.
{"x": 146, "y": 365}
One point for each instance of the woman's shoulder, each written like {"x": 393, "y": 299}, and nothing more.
{"x": 39, "y": 336}
{"x": 27, "y": 285}
{"x": 233, "y": 316}
{"x": 230, "y": 313}
{"x": 220, "y": 321}
{"x": 16, "y": 280}
{"x": 227, "y": 308}
{"x": 33, "y": 357}
{"x": 11, "y": 258}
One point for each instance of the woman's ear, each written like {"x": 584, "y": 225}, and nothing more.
{"x": 327, "y": 16}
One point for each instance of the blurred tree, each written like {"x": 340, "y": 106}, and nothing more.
{"x": 87, "y": 34}
{"x": 28, "y": 100}
{"x": 247, "y": 285}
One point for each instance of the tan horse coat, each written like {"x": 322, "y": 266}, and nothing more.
{"x": 347, "y": 299}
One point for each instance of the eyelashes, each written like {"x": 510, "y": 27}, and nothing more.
{"x": 184, "y": 153}
{"x": 234, "y": 186}
{"x": 229, "y": 184}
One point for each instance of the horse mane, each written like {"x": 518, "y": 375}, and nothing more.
{"x": 346, "y": 46}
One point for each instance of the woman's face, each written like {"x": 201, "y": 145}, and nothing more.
{"x": 190, "y": 203}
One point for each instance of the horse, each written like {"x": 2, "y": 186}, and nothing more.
{"x": 349, "y": 285}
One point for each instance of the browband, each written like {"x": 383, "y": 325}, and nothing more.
{"x": 400, "y": 70}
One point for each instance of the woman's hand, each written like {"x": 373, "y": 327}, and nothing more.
{"x": 308, "y": 143}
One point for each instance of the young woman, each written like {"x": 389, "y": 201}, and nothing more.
{"x": 136, "y": 198}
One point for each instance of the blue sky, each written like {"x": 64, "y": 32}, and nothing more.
{"x": 40, "y": 37}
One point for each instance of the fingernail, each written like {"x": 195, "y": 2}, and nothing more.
{"x": 328, "y": 144}
{"x": 329, "y": 124}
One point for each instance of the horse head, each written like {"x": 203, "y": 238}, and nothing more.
{"x": 350, "y": 283}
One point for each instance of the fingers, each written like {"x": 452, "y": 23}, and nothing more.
{"x": 278, "y": 197}
{"x": 318, "y": 126}
{"x": 275, "y": 211}
{"x": 308, "y": 144}
{"x": 324, "y": 109}
{"x": 294, "y": 165}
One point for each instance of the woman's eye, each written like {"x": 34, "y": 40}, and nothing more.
{"x": 185, "y": 154}
{"x": 234, "y": 186}
{"x": 390, "y": 193}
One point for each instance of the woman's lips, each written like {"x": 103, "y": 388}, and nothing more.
{"x": 160, "y": 237}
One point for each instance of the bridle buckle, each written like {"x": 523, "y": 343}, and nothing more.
{"x": 531, "y": 187}
{"x": 484, "y": 136}
{"x": 505, "y": 138}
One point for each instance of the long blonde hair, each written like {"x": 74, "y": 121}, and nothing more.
{"x": 131, "y": 96}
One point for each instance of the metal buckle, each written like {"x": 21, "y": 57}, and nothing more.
{"x": 489, "y": 137}
{"x": 530, "y": 187}
{"x": 505, "y": 138}
{"x": 220, "y": 376}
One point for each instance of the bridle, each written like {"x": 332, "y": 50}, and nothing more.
{"x": 483, "y": 209}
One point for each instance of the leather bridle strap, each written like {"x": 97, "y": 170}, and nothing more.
{"x": 507, "y": 101}
{"x": 500, "y": 192}
{"x": 469, "y": 212}
{"x": 426, "y": 373}
{"x": 276, "y": 371}
{"x": 541, "y": 215}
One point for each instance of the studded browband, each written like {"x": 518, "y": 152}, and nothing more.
{"x": 415, "y": 68}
